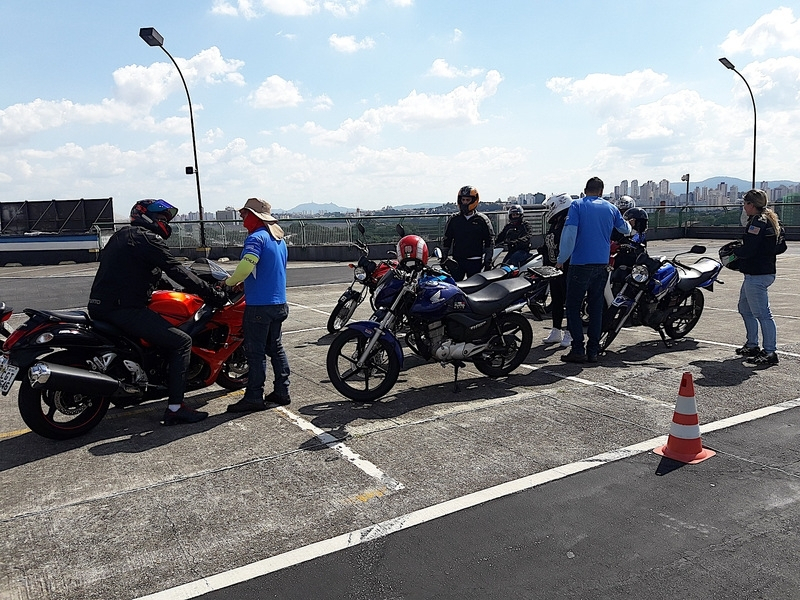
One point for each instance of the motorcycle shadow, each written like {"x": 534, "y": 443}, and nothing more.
{"x": 644, "y": 351}
{"x": 139, "y": 424}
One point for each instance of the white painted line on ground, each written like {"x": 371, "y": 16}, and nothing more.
{"x": 354, "y": 538}
{"x": 322, "y": 312}
{"x": 347, "y": 453}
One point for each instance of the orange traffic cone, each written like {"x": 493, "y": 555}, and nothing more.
{"x": 683, "y": 443}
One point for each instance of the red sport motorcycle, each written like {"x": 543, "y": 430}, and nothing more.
{"x": 71, "y": 368}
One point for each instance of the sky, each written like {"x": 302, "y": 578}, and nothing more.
{"x": 374, "y": 103}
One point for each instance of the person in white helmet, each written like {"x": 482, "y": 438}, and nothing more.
{"x": 557, "y": 206}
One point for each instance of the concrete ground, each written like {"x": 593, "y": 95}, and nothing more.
{"x": 135, "y": 508}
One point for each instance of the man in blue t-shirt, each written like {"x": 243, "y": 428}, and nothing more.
{"x": 263, "y": 269}
{"x": 586, "y": 243}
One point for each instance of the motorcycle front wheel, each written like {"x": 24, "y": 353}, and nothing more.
{"x": 235, "y": 371}
{"x": 611, "y": 320}
{"x": 685, "y": 316}
{"x": 60, "y": 415}
{"x": 506, "y": 351}
{"x": 371, "y": 381}
{"x": 342, "y": 313}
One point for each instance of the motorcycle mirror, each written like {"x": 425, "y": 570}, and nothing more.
{"x": 437, "y": 253}
{"x": 697, "y": 249}
{"x": 401, "y": 231}
{"x": 391, "y": 253}
{"x": 360, "y": 228}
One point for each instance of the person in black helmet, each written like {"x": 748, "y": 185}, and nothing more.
{"x": 131, "y": 264}
{"x": 468, "y": 237}
{"x": 516, "y": 235}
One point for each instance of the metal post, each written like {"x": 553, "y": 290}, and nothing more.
{"x": 729, "y": 65}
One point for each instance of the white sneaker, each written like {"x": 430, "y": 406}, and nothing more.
{"x": 567, "y": 341}
{"x": 554, "y": 337}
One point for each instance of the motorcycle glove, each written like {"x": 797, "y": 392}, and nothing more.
{"x": 216, "y": 298}
{"x": 487, "y": 259}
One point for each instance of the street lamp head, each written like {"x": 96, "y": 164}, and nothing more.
{"x": 153, "y": 38}
{"x": 727, "y": 64}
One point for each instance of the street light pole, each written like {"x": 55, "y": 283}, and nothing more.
{"x": 153, "y": 38}
{"x": 729, "y": 65}
{"x": 686, "y": 179}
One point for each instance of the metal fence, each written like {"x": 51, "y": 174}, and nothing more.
{"x": 339, "y": 231}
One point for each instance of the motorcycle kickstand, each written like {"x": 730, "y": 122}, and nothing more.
{"x": 456, "y": 387}
{"x": 664, "y": 337}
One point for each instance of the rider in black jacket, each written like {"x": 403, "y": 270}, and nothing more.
{"x": 516, "y": 235}
{"x": 131, "y": 264}
{"x": 468, "y": 237}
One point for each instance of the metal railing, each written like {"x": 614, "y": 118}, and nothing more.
{"x": 341, "y": 231}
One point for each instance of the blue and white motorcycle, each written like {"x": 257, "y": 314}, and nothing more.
{"x": 662, "y": 294}
{"x": 440, "y": 322}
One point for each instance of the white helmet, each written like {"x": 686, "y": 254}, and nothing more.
{"x": 557, "y": 203}
{"x": 625, "y": 202}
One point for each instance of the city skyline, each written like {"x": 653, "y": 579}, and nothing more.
{"x": 387, "y": 102}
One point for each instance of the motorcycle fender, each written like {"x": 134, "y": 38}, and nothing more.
{"x": 349, "y": 294}
{"x": 367, "y": 328}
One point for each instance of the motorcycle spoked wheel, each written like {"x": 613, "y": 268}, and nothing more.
{"x": 60, "y": 415}
{"x": 505, "y": 353}
{"x": 235, "y": 371}
{"x": 342, "y": 313}
{"x": 367, "y": 383}
{"x": 685, "y": 316}
{"x": 611, "y": 321}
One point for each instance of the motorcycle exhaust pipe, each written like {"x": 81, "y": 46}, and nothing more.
{"x": 50, "y": 376}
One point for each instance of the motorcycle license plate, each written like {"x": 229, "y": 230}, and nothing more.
{"x": 8, "y": 373}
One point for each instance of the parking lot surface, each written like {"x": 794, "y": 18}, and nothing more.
{"x": 277, "y": 503}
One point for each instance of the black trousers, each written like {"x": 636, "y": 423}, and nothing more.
{"x": 153, "y": 328}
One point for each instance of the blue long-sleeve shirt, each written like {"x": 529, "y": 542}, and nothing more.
{"x": 586, "y": 239}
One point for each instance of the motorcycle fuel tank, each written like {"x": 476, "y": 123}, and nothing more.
{"x": 436, "y": 298}
{"x": 663, "y": 280}
{"x": 175, "y": 307}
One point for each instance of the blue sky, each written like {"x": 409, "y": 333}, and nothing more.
{"x": 369, "y": 103}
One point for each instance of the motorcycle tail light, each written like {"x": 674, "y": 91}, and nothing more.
{"x": 640, "y": 274}
{"x": 45, "y": 338}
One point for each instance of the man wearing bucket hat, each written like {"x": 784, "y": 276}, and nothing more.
{"x": 262, "y": 268}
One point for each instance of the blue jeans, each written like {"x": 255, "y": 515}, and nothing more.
{"x": 585, "y": 281}
{"x": 754, "y": 308}
{"x": 262, "y": 337}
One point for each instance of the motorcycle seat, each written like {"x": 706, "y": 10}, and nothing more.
{"x": 481, "y": 280}
{"x": 498, "y": 295}
{"x": 67, "y": 316}
{"x": 697, "y": 274}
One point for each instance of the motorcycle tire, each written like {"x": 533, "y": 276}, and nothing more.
{"x": 342, "y": 313}
{"x": 370, "y": 382}
{"x": 685, "y": 316}
{"x": 611, "y": 322}
{"x": 235, "y": 371}
{"x": 60, "y": 415}
{"x": 505, "y": 353}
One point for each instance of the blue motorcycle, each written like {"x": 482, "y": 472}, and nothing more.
{"x": 662, "y": 294}
{"x": 439, "y": 322}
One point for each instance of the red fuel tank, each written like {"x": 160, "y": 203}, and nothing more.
{"x": 175, "y": 307}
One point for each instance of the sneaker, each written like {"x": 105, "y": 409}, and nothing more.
{"x": 554, "y": 337}
{"x": 246, "y": 406}
{"x": 184, "y": 414}
{"x": 763, "y": 359}
{"x": 748, "y": 350}
{"x": 273, "y": 400}
{"x": 573, "y": 357}
{"x": 567, "y": 341}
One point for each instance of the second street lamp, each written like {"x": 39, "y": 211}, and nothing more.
{"x": 153, "y": 38}
{"x": 729, "y": 65}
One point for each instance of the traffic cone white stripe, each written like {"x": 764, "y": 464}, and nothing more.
{"x": 686, "y": 406}
{"x": 684, "y": 432}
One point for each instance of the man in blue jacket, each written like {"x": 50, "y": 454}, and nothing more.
{"x": 586, "y": 243}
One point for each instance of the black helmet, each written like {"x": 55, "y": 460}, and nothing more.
{"x": 640, "y": 218}
{"x": 151, "y": 214}
{"x": 515, "y": 213}
{"x": 727, "y": 257}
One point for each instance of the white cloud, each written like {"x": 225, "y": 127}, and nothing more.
{"x": 458, "y": 107}
{"x": 348, "y": 43}
{"x": 401, "y": 3}
{"x": 344, "y": 9}
{"x": 607, "y": 93}
{"x": 275, "y": 92}
{"x": 322, "y": 102}
{"x": 253, "y": 9}
{"x": 440, "y": 68}
{"x": 457, "y": 35}
{"x": 776, "y": 29}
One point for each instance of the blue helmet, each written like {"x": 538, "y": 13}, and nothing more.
{"x": 154, "y": 215}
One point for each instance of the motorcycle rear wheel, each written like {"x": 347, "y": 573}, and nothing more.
{"x": 235, "y": 371}
{"x": 505, "y": 353}
{"x": 685, "y": 316}
{"x": 367, "y": 383}
{"x": 60, "y": 415}
{"x": 342, "y": 313}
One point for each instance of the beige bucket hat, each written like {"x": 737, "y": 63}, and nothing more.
{"x": 262, "y": 209}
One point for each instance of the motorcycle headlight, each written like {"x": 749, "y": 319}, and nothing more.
{"x": 640, "y": 274}
{"x": 360, "y": 274}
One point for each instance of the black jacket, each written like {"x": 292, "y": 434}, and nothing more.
{"x": 756, "y": 255}
{"x": 131, "y": 264}
{"x": 517, "y": 236}
{"x": 468, "y": 238}
{"x": 552, "y": 239}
